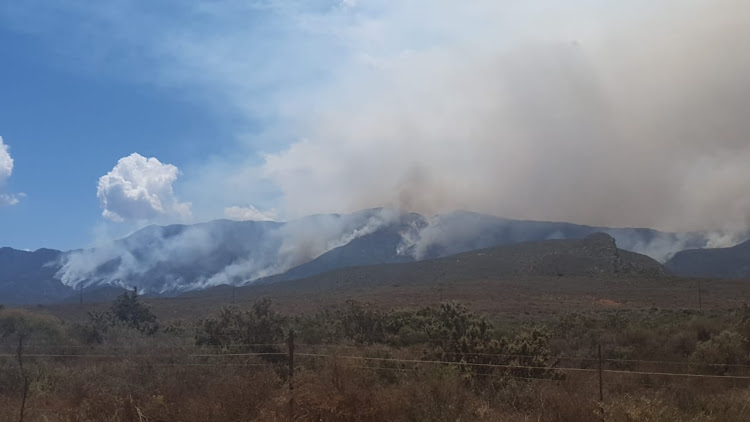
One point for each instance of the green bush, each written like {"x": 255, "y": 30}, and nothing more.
{"x": 128, "y": 310}
{"x": 320, "y": 328}
{"x": 259, "y": 328}
{"x": 362, "y": 324}
{"x": 726, "y": 349}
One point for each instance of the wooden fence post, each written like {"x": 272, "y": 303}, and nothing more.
{"x": 291, "y": 374}
{"x": 601, "y": 386}
{"x": 601, "y": 383}
{"x": 24, "y": 376}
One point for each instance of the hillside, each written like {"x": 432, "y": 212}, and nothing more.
{"x": 539, "y": 277}
{"x": 380, "y": 247}
{"x": 463, "y": 231}
{"x": 595, "y": 256}
{"x": 29, "y": 277}
{"x": 731, "y": 262}
{"x": 170, "y": 260}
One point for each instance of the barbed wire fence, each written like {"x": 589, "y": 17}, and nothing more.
{"x": 600, "y": 369}
{"x": 599, "y": 374}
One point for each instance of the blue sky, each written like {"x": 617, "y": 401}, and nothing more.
{"x": 278, "y": 109}
{"x": 69, "y": 112}
{"x": 66, "y": 128}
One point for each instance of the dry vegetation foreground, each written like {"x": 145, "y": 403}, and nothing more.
{"x": 523, "y": 350}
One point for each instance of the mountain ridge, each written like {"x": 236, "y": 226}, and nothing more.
{"x": 170, "y": 260}
{"x": 595, "y": 256}
{"x": 730, "y": 262}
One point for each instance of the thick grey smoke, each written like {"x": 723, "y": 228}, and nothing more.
{"x": 638, "y": 119}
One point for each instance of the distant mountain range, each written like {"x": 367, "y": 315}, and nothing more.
{"x": 169, "y": 260}
{"x": 29, "y": 277}
{"x": 731, "y": 262}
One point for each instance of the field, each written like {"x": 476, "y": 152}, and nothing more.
{"x": 508, "y": 297}
{"x": 372, "y": 348}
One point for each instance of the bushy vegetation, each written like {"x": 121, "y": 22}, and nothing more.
{"x": 20, "y": 326}
{"x": 126, "y": 312}
{"x": 366, "y": 364}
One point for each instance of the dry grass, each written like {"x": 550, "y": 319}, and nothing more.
{"x": 146, "y": 389}
{"x": 156, "y": 379}
{"x": 508, "y": 297}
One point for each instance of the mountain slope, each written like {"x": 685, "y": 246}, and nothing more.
{"x": 731, "y": 262}
{"x": 173, "y": 259}
{"x": 595, "y": 256}
{"x": 376, "y": 248}
{"x": 29, "y": 277}
{"x": 463, "y": 231}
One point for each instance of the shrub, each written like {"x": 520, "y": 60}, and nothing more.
{"x": 260, "y": 328}
{"x": 19, "y": 326}
{"x": 126, "y": 311}
{"x": 320, "y": 328}
{"x": 727, "y": 348}
{"x": 362, "y": 324}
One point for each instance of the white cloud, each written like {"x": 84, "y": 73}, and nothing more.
{"x": 249, "y": 213}
{"x": 6, "y": 162}
{"x": 6, "y": 170}
{"x": 140, "y": 189}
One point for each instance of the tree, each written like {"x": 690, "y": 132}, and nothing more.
{"x": 128, "y": 310}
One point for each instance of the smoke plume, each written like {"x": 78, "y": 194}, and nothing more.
{"x": 631, "y": 120}
{"x": 601, "y": 113}
{"x": 188, "y": 257}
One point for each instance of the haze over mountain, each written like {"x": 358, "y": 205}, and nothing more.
{"x": 178, "y": 258}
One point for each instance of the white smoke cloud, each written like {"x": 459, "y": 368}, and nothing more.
{"x": 248, "y": 213}
{"x": 183, "y": 258}
{"x": 140, "y": 189}
{"x": 6, "y": 170}
{"x": 123, "y": 263}
{"x": 301, "y": 241}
